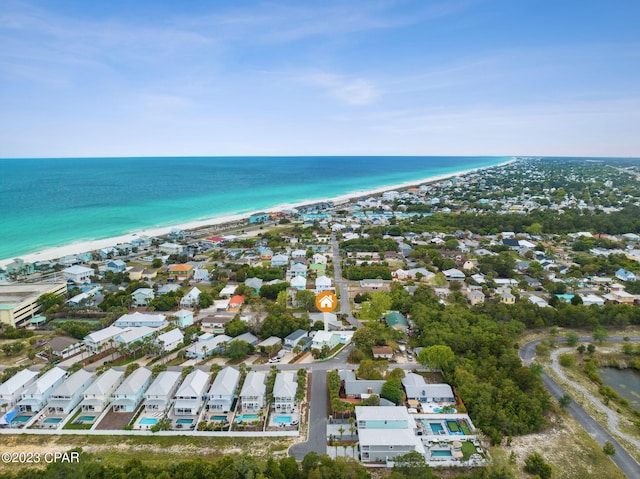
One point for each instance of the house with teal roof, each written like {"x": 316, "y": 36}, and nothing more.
{"x": 396, "y": 320}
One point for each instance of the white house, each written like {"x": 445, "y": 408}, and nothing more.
{"x": 78, "y": 274}
{"x": 171, "y": 248}
{"x": 11, "y": 389}
{"x": 191, "y": 393}
{"x": 253, "y": 391}
{"x": 135, "y": 320}
{"x": 284, "y": 392}
{"x": 319, "y": 259}
{"x": 129, "y": 394}
{"x": 67, "y": 395}
{"x": 191, "y": 299}
{"x": 293, "y": 339}
{"x": 170, "y": 340}
{"x": 223, "y": 390}
{"x": 323, "y": 283}
{"x": 36, "y": 395}
{"x": 299, "y": 283}
{"x": 98, "y": 394}
{"x": 386, "y": 432}
{"x": 159, "y": 394}
{"x": 228, "y": 290}
{"x": 278, "y": 260}
{"x": 297, "y": 269}
{"x": 454, "y": 275}
{"x": 133, "y": 335}
{"x": 325, "y": 338}
{"x": 206, "y": 345}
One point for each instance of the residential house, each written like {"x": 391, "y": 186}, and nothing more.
{"x": 537, "y": 300}
{"x": 102, "y": 339}
{"x": 116, "y": 266}
{"x": 247, "y": 338}
{"x": 142, "y": 297}
{"x": 184, "y": 318}
{"x": 624, "y": 275}
{"x": 278, "y": 260}
{"x": 284, "y": 392}
{"x": 68, "y": 395}
{"x": 255, "y": 284}
{"x": 170, "y": 340}
{"x": 475, "y": 296}
{"x": 295, "y": 338}
{"x": 318, "y": 269}
{"x": 36, "y": 395}
{"x": 137, "y": 319}
{"x": 325, "y": 338}
{"x": 161, "y": 391}
{"x": 260, "y": 217}
{"x": 359, "y": 388}
{"x": 206, "y": 345}
{"x": 296, "y": 269}
{"x": 168, "y": 288}
{"x": 12, "y": 388}
{"x": 96, "y": 397}
{"x": 191, "y": 299}
{"x": 201, "y": 274}
{"x": 171, "y": 248}
{"x": 216, "y": 323}
{"x": 64, "y": 346}
{"x": 396, "y": 320}
{"x": 235, "y": 303}
{"x": 507, "y": 298}
{"x": 454, "y": 275}
{"x": 323, "y": 283}
{"x": 319, "y": 259}
{"x": 223, "y": 390}
{"x": 180, "y": 272}
{"x": 131, "y": 336}
{"x": 129, "y": 394}
{"x": 253, "y": 391}
{"x": 78, "y": 274}
{"x": 385, "y": 433}
{"x": 191, "y": 394}
{"x": 382, "y": 352}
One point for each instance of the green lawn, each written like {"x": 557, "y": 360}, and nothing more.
{"x": 468, "y": 449}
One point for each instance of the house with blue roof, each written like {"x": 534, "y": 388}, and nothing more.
{"x": 624, "y": 275}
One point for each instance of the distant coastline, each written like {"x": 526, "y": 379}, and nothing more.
{"x": 78, "y": 247}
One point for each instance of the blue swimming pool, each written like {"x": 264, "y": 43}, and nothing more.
{"x": 219, "y": 418}
{"x": 436, "y": 427}
{"x": 184, "y": 421}
{"x": 52, "y": 420}
{"x": 148, "y": 421}
{"x": 285, "y": 419}
{"x": 21, "y": 418}
{"x": 86, "y": 418}
{"x": 441, "y": 454}
{"x": 247, "y": 417}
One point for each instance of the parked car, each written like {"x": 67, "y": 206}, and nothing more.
{"x": 274, "y": 360}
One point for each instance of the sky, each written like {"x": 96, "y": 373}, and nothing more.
{"x": 355, "y": 77}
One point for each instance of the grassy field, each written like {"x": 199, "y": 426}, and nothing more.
{"x": 152, "y": 450}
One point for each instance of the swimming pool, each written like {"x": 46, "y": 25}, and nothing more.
{"x": 149, "y": 421}
{"x": 218, "y": 418}
{"x": 441, "y": 454}
{"x": 184, "y": 421}
{"x": 247, "y": 417}
{"x": 21, "y": 418}
{"x": 278, "y": 419}
{"x": 86, "y": 418}
{"x": 52, "y": 420}
{"x": 436, "y": 427}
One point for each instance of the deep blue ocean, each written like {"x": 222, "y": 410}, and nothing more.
{"x": 57, "y": 201}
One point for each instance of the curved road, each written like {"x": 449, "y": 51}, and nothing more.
{"x": 627, "y": 464}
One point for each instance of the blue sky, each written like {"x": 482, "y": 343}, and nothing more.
{"x": 357, "y": 77}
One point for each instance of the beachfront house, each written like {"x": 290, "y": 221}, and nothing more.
{"x": 135, "y": 320}
{"x": 190, "y": 395}
{"x": 171, "y": 248}
{"x": 284, "y": 392}
{"x": 78, "y": 274}
{"x": 96, "y": 397}
{"x": 67, "y": 395}
{"x": 170, "y": 340}
{"x": 223, "y": 390}
{"x": 129, "y": 394}
{"x": 11, "y": 389}
{"x": 385, "y": 433}
{"x": 253, "y": 391}
{"x": 116, "y": 266}
{"x": 159, "y": 394}
{"x": 36, "y": 395}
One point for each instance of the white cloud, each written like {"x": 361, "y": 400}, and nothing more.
{"x": 351, "y": 91}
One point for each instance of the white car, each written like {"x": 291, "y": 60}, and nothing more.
{"x": 274, "y": 360}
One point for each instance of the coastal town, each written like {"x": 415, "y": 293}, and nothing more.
{"x": 217, "y": 332}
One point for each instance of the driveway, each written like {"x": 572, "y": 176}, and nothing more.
{"x": 317, "y": 432}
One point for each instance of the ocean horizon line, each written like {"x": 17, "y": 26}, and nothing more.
{"x": 84, "y": 244}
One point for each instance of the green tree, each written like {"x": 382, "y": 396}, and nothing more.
{"x": 412, "y": 466}
{"x": 238, "y": 349}
{"x": 564, "y": 401}
{"x": 157, "y": 263}
{"x": 437, "y": 357}
{"x": 379, "y": 304}
{"x": 392, "y": 390}
{"x": 572, "y": 338}
{"x": 600, "y": 334}
{"x": 236, "y": 328}
{"x": 535, "y": 464}
{"x": 609, "y": 449}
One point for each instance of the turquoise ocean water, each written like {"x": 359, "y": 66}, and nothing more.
{"x": 51, "y": 202}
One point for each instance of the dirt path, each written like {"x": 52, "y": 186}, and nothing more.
{"x": 612, "y": 416}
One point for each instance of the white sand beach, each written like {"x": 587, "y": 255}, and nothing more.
{"x": 92, "y": 245}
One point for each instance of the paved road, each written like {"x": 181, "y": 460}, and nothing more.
{"x": 341, "y": 285}
{"x": 627, "y": 464}
{"x": 317, "y": 432}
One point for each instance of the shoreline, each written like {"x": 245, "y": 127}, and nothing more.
{"x": 83, "y": 246}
